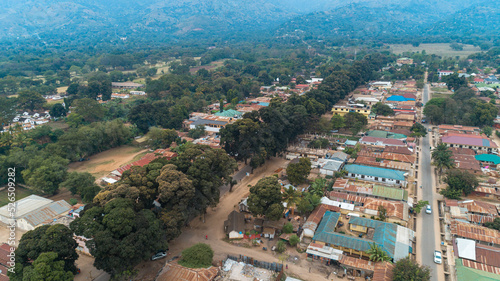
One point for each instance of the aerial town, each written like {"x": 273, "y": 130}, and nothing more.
{"x": 249, "y": 140}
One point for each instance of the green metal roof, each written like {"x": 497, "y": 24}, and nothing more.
{"x": 229, "y": 113}
{"x": 375, "y": 172}
{"x": 488, "y": 158}
{"x": 385, "y": 134}
{"x": 467, "y": 274}
{"x": 390, "y": 192}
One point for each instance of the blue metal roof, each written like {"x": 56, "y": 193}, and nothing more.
{"x": 488, "y": 158}
{"x": 398, "y": 98}
{"x": 375, "y": 172}
{"x": 385, "y": 234}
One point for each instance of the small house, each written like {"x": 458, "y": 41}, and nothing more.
{"x": 234, "y": 226}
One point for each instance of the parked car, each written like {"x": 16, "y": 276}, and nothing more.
{"x": 428, "y": 209}
{"x": 158, "y": 256}
{"x": 437, "y": 257}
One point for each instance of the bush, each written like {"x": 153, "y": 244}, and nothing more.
{"x": 73, "y": 201}
{"x": 294, "y": 240}
{"x": 280, "y": 246}
{"x": 197, "y": 256}
{"x": 287, "y": 228}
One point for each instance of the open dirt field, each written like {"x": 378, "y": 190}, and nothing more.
{"x": 62, "y": 90}
{"x": 440, "y": 49}
{"x": 109, "y": 160}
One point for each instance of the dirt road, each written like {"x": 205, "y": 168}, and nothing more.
{"x": 213, "y": 227}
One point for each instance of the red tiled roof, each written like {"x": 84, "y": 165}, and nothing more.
{"x": 319, "y": 212}
{"x": 4, "y": 251}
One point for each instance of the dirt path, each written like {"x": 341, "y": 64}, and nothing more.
{"x": 213, "y": 227}
{"x": 102, "y": 163}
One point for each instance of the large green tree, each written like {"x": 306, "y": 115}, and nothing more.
{"x": 197, "y": 256}
{"x": 89, "y": 109}
{"x": 266, "y": 199}
{"x": 355, "y": 122}
{"x": 291, "y": 197}
{"x": 297, "y": 173}
{"x": 44, "y": 174}
{"x": 382, "y": 109}
{"x": 459, "y": 182}
{"x": 82, "y": 184}
{"x": 122, "y": 236}
{"x": 48, "y": 238}
{"x": 30, "y": 100}
{"x": 441, "y": 157}
{"x": 161, "y": 138}
{"x": 407, "y": 269}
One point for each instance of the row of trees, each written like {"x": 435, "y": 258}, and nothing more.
{"x": 121, "y": 223}
{"x": 267, "y": 132}
{"x": 41, "y": 156}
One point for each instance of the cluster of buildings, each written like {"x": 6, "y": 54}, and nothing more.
{"x": 28, "y": 121}
{"x": 474, "y": 248}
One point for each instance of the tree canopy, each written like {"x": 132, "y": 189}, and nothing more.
{"x": 407, "y": 269}
{"x": 297, "y": 173}
{"x": 266, "y": 199}
{"x": 197, "y": 256}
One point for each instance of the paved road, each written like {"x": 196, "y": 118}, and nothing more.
{"x": 428, "y": 231}
{"x": 237, "y": 177}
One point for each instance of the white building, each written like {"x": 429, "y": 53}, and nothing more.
{"x": 34, "y": 211}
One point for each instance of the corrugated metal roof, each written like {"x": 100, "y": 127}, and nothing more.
{"x": 375, "y": 172}
{"x": 383, "y": 271}
{"x": 475, "y": 232}
{"x": 47, "y": 213}
{"x": 174, "y": 272}
{"x": 26, "y": 205}
{"x": 488, "y": 255}
{"x": 385, "y": 235}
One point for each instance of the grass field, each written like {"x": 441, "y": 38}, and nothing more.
{"x": 439, "y": 89}
{"x": 58, "y": 125}
{"x": 62, "y": 90}
{"x": 440, "y": 95}
{"x": 440, "y": 49}
{"x": 20, "y": 194}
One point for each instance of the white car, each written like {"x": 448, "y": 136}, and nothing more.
{"x": 428, "y": 209}
{"x": 437, "y": 257}
{"x": 159, "y": 255}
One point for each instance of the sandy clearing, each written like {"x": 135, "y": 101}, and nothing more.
{"x": 107, "y": 161}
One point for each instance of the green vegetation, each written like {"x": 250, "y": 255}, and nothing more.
{"x": 281, "y": 246}
{"x": 418, "y": 207}
{"x": 377, "y": 254}
{"x": 461, "y": 108}
{"x": 382, "y": 109}
{"x": 459, "y": 183}
{"x": 418, "y": 130}
{"x": 441, "y": 157}
{"x": 197, "y": 256}
{"x": 118, "y": 231}
{"x": 493, "y": 225}
{"x": 297, "y": 173}
{"x": 266, "y": 199}
{"x": 159, "y": 138}
{"x": 20, "y": 194}
{"x": 46, "y": 248}
{"x": 82, "y": 184}
{"x": 407, "y": 269}
{"x": 287, "y": 228}
{"x": 294, "y": 240}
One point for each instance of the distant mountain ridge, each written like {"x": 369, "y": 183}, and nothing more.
{"x": 51, "y": 20}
